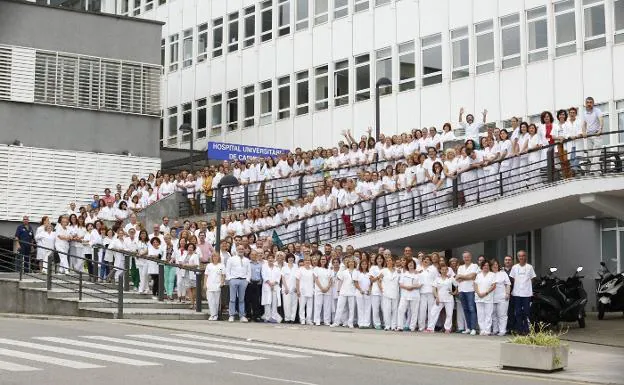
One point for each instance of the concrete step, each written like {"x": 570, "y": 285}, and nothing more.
{"x": 88, "y": 293}
{"x": 145, "y": 314}
{"x": 133, "y": 304}
{"x": 67, "y": 284}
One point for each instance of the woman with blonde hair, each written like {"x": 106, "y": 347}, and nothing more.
{"x": 388, "y": 282}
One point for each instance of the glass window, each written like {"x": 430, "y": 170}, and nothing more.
{"x": 362, "y": 77}
{"x": 361, "y": 5}
{"x": 484, "y": 36}
{"x": 604, "y": 108}
{"x": 187, "y": 118}
{"x": 200, "y": 107}
{"x": 248, "y": 106}
{"x": 266, "y": 18}
{"x": 460, "y": 53}
{"x": 618, "y": 14}
{"x": 202, "y": 42}
{"x": 217, "y": 115}
{"x": 619, "y": 105}
{"x": 250, "y": 26}
{"x": 321, "y": 9}
{"x": 232, "y": 110}
{"x": 594, "y": 24}
{"x": 322, "y": 87}
{"x": 431, "y": 59}
{"x": 187, "y": 48}
{"x": 149, "y": 5}
{"x": 163, "y": 52}
{"x": 283, "y": 97}
{"x": 233, "y": 32}
{"x": 173, "y": 52}
{"x": 341, "y": 8}
{"x": 407, "y": 66}
{"x": 537, "y": 32}
{"x": 172, "y": 113}
{"x": 381, "y": 2}
{"x": 124, "y": 7}
{"x": 283, "y": 16}
{"x": 302, "y": 14}
{"x": 302, "y": 92}
{"x": 383, "y": 69}
{"x": 137, "y": 8}
{"x": 217, "y": 37}
{"x": 162, "y": 131}
{"x": 510, "y": 41}
{"x": 565, "y": 28}
{"x": 341, "y": 83}
{"x": 266, "y": 102}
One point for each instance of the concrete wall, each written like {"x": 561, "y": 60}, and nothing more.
{"x": 22, "y": 300}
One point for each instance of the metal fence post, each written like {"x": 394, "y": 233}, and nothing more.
{"x": 199, "y": 279}
{"x": 302, "y": 231}
{"x": 95, "y": 263}
{"x": 246, "y": 196}
{"x": 301, "y": 186}
{"x": 20, "y": 263}
{"x": 120, "y": 294}
{"x": 161, "y": 282}
{"x": 374, "y": 214}
{"x": 500, "y": 185}
{"x": 126, "y": 274}
{"x": 604, "y": 160}
{"x": 455, "y": 193}
{"x": 550, "y": 165}
{"x": 49, "y": 271}
{"x": 80, "y": 286}
{"x": 218, "y": 209}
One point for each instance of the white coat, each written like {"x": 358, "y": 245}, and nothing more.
{"x": 273, "y": 275}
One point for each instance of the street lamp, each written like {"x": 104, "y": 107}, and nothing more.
{"x": 380, "y": 83}
{"x": 186, "y": 128}
{"x": 227, "y": 181}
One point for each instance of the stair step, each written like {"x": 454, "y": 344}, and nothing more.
{"x": 146, "y": 314}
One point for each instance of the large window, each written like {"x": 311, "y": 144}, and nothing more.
{"x": 266, "y": 102}
{"x": 172, "y": 115}
{"x": 202, "y": 121}
{"x": 594, "y": 24}
{"x": 484, "y": 36}
{"x": 361, "y": 5}
{"x": 250, "y": 26}
{"x": 407, "y": 66}
{"x": 217, "y": 37}
{"x": 266, "y": 19}
{"x": 537, "y": 32}
{"x": 173, "y": 52}
{"x": 187, "y": 118}
{"x": 383, "y": 69}
{"x": 130, "y": 88}
{"x": 232, "y": 110}
{"x": 321, "y": 9}
{"x": 619, "y": 105}
{"x": 565, "y": 28}
{"x": 283, "y": 97}
{"x": 381, "y": 2}
{"x": 341, "y": 83}
{"x": 431, "y": 59}
{"x": 202, "y": 42}
{"x": 217, "y": 115}
{"x": 283, "y": 17}
{"x": 248, "y": 106}
{"x": 362, "y": 77}
{"x": 187, "y": 48}
{"x": 302, "y": 14}
{"x": 149, "y": 5}
{"x": 510, "y": 41}
{"x": 322, "y": 87}
{"x": 341, "y": 8}
{"x": 618, "y": 15}
{"x": 612, "y": 243}
{"x": 460, "y": 53}
{"x": 233, "y": 32}
{"x": 609, "y": 139}
{"x": 302, "y": 85}
{"x": 163, "y": 53}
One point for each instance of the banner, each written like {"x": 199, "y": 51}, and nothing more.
{"x": 232, "y": 151}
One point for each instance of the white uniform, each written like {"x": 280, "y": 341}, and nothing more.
{"x": 363, "y": 300}
{"x": 322, "y": 301}
{"x": 375, "y": 293}
{"x": 271, "y": 295}
{"x": 305, "y": 278}
{"x": 427, "y": 301}
{"x": 346, "y": 296}
{"x": 409, "y": 302}
{"x": 501, "y": 303}
{"x": 485, "y": 304}
{"x": 289, "y": 280}
{"x": 444, "y": 287}
{"x": 390, "y": 297}
{"x": 214, "y": 275}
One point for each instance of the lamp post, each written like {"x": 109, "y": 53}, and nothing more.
{"x": 380, "y": 83}
{"x": 187, "y": 128}
{"x": 227, "y": 181}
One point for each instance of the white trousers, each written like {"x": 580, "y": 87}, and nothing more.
{"x": 180, "y": 282}
{"x": 78, "y": 264}
{"x": 290, "y": 306}
{"x": 392, "y": 205}
{"x": 389, "y": 307}
{"x": 499, "y": 317}
{"x": 376, "y": 307}
{"x": 484, "y": 316}
{"x": 270, "y": 310}
{"x": 592, "y": 146}
{"x": 119, "y": 264}
{"x": 435, "y": 313}
{"x": 305, "y": 309}
{"x": 322, "y": 303}
{"x": 144, "y": 277}
{"x": 214, "y": 299}
{"x": 340, "y": 310}
{"x": 363, "y": 304}
{"x": 461, "y": 320}
{"x": 425, "y": 310}
{"x": 63, "y": 263}
{"x": 409, "y": 306}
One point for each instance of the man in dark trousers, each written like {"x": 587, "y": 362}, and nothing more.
{"x": 253, "y": 293}
{"x": 24, "y": 237}
{"x": 507, "y": 265}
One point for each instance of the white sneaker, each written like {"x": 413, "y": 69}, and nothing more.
{"x": 465, "y": 331}
{"x": 317, "y": 324}
{"x": 501, "y": 334}
{"x": 243, "y": 319}
{"x": 303, "y": 322}
{"x": 473, "y": 332}
{"x": 351, "y": 326}
{"x": 231, "y": 319}
{"x": 333, "y": 325}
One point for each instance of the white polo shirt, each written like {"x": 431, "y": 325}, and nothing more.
{"x": 467, "y": 286}
{"x": 522, "y": 276}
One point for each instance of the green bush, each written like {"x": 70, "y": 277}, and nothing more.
{"x": 539, "y": 336}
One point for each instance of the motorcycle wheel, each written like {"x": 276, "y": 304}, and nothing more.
{"x": 581, "y": 322}
{"x": 601, "y": 310}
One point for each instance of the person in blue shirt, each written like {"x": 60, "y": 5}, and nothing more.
{"x": 24, "y": 237}
{"x": 254, "y": 288}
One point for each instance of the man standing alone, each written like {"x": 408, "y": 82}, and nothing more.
{"x": 522, "y": 274}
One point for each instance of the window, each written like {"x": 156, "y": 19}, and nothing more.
{"x": 341, "y": 83}
{"x": 283, "y": 97}
{"x": 407, "y": 66}
{"x": 266, "y": 102}
{"x": 130, "y": 93}
{"x": 594, "y": 24}
{"x": 383, "y": 69}
{"x": 341, "y": 8}
{"x": 149, "y": 5}
{"x": 66, "y": 80}
{"x": 619, "y": 105}
{"x": 612, "y": 243}
{"x": 510, "y": 40}
{"x": 89, "y": 83}
{"x": 172, "y": 114}
{"x": 163, "y": 52}
{"x": 609, "y": 139}
{"x": 301, "y": 15}
{"x": 137, "y": 8}
{"x": 322, "y": 87}
{"x": 283, "y": 18}
{"x": 565, "y": 28}
{"x": 109, "y": 99}
{"x": 200, "y": 107}
{"x": 202, "y": 42}
{"x": 162, "y": 132}
{"x": 302, "y": 86}
{"x": 431, "y": 59}
{"x": 232, "y": 110}
{"x": 124, "y": 7}
{"x": 187, "y": 118}
{"x": 381, "y": 2}
{"x": 250, "y": 26}
{"x": 460, "y": 53}
{"x": 187, "y": 49}
{"x": 321, "y": 11}
{"x": 217, "y": 37}
{"x": 248, "y": 107}
{"x": 484, "y": 36}
{"x": 161, "y": 2}
{"x": 537, "y": 25}
{"x": 361, "y": 5}
{"x": 618, "y": 13}
{"x": 362, "y": 77}
{"x": 233, "y": 32}
{"x": 266, "y": 31}
{"x": 217, "y": 117}
{"x": 173, "y": 52}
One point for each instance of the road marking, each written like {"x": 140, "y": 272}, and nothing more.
{"x": 79, "y": 353}
{"x": 176, "y": 348}
{"x": 216, "y": 346}
{"x": 11, "y": 367}
{"x": 274, "y": 379}
{"x": 47, "y": 359}
{"x": 261, "y": 345}
{"x": 119, "y": 349}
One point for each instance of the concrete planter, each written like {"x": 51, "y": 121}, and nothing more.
{"x": 531, "y": 357}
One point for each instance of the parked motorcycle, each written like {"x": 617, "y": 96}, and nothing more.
{"x": 556, "y": 300}
{"x": 610, "y": 291}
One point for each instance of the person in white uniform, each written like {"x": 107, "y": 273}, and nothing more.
{"x": 348, "y": 284}
{"x": 471, "y": 128}
{"x": 271, "y": 290}
{"x": 427, "y": 301}
{"x": 375, "y": 291}
{"x": 45, "y": 245}
{"x": 484, "y": 286}
{"x": 389, "y": 286}
{"x": 501, "y": 299}
{"x": 322, "y": 293}
{"x": 410, "y": 285}
{"x": 289, "y": 286}
{"x": 522, "y": 273}
{"x": 363, "y": 296}
{"x": 305, "y": 291}
{"x": 443, "y": 291}
{"x": 214, "y": 281}
{"x": 593, "y": 123}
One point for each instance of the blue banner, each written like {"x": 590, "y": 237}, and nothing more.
{"x": 232, "y": 151}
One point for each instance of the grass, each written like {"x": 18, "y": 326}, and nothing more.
{"x": 540, "y": 336}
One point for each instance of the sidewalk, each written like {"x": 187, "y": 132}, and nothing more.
{"x": 587, "y": 363}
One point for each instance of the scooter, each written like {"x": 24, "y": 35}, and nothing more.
{"x": 556, "y": 300}
{"x": 610, "y": 291}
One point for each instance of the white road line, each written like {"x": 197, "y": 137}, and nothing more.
{"x": 11, "y": 367}
{"x": 79, "y": 353}
{"x": 47, "y": 359}
{"x": 274, "y": 379}
{"x": 261, "y": 345}
{"x": 216, "y": 346}
{"x": 178, "y": 349}
{"x": 119, "y": 349}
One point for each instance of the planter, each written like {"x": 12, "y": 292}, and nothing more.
{"x": 532, "y": 357}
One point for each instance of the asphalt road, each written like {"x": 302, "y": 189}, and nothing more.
{"x": 58, "y": 352}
